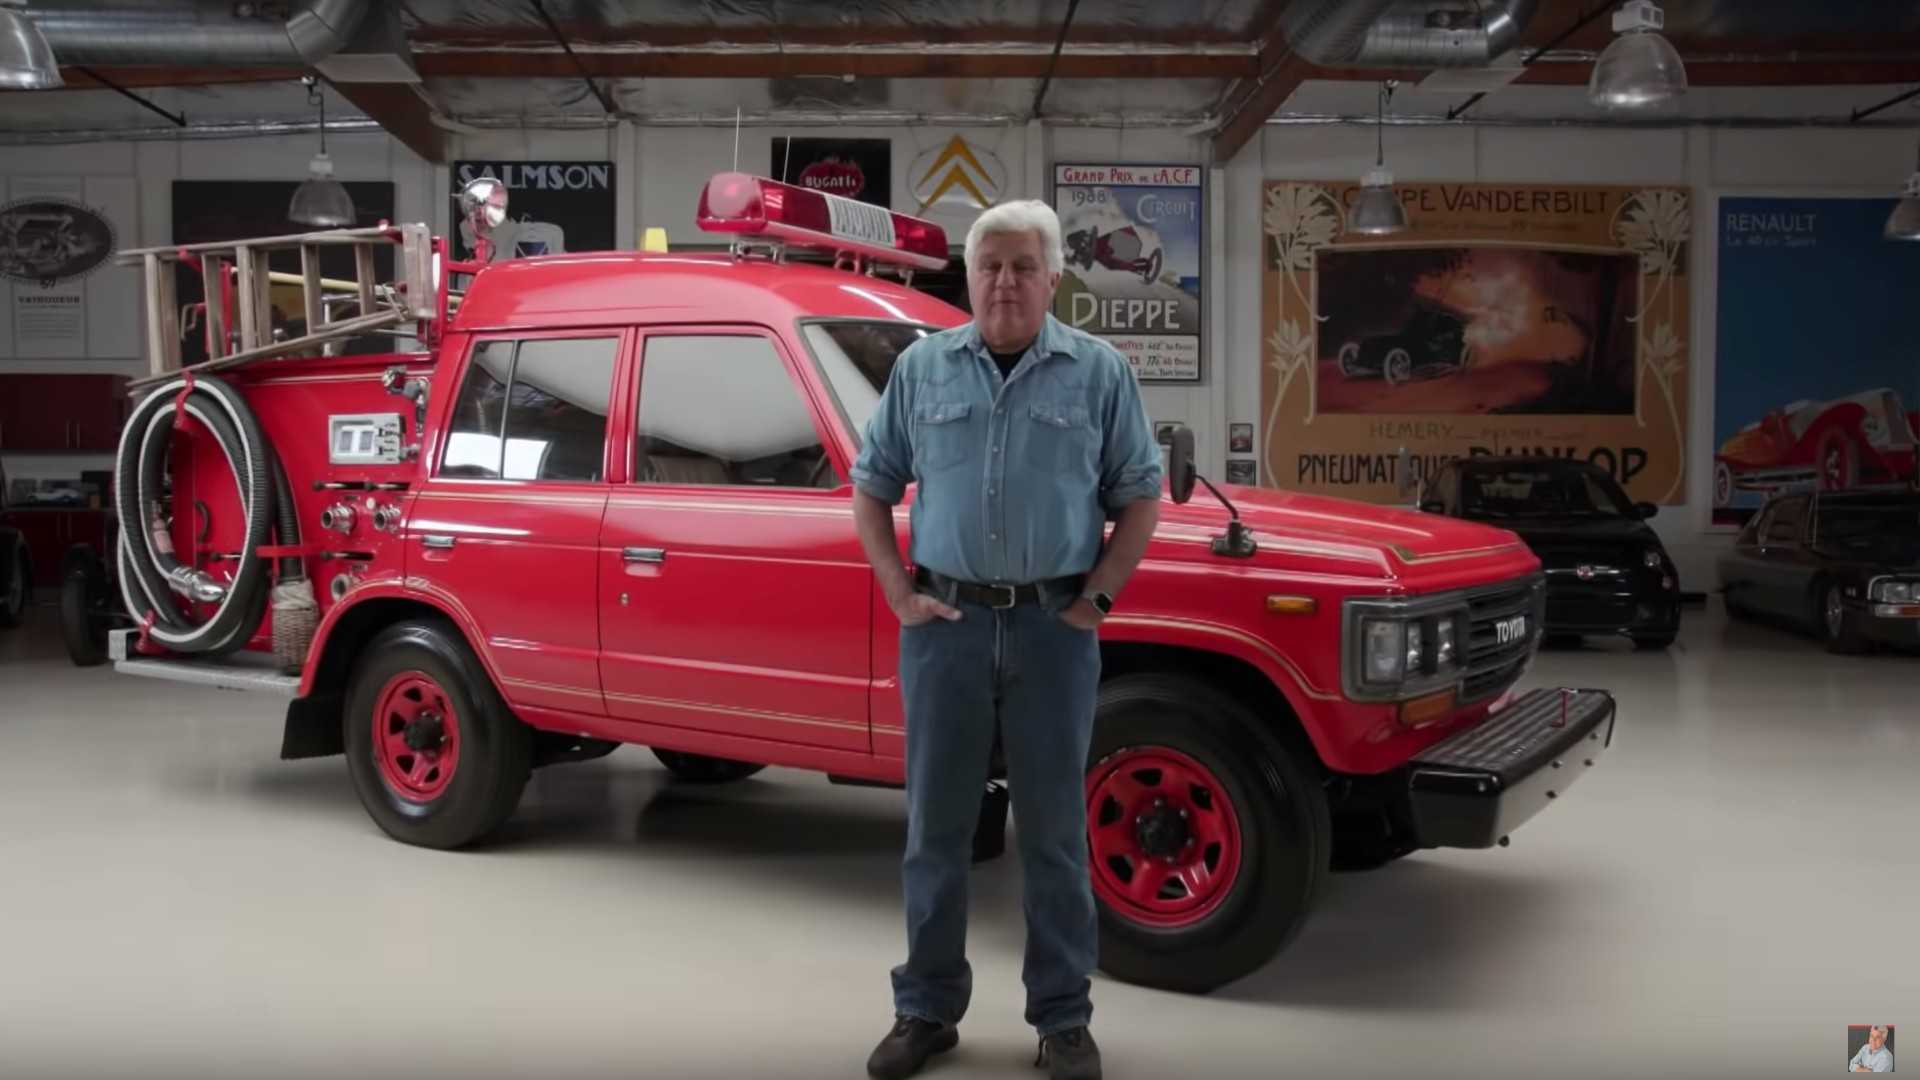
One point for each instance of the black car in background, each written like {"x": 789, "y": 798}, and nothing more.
{"x": 1843, "y": 564}
{"x": 1606, "y": 570}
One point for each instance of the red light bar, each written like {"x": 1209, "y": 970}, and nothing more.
{"x": 735, "y": 202}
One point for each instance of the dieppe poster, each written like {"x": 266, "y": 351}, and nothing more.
{"x": 1133, "y": 276}
{"x": 552, "y": 207}
{"x": 1817, "y": 376}
{"x": 1507, "y": 318}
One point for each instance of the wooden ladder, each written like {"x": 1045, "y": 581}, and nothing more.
{"x": 411, "y": 297}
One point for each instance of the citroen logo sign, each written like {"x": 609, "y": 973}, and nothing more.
{"x": 958, "y": 173}
{"x": 1584, "y": 572}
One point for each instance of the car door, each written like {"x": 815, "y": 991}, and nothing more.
{"x": 505, "y": 531}
{"x": 1780, "y": 568}
{"x": 734, "y": 596}
{"x": 1739, "y": 568}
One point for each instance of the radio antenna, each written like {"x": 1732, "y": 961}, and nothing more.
{"x": 736, "y": 138}
{"x": 786, "y": 161}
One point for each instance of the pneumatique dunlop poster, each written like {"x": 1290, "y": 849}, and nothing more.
{"x": 1508, "y": 318}
{"x": 552, "y": 207}
{"x": 1817, "y": 366}
{"x": 1133, "y": 276}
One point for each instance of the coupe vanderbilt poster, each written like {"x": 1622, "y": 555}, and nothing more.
{"x": 1506, "y": 319}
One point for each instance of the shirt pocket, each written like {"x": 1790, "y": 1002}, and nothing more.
{"x": 1061, "y": 439}
{"x": 942, "y": 434}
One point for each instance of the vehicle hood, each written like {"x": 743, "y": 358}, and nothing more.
{"x": 1580, "y": 530}
{"x": 1317, "y": 532}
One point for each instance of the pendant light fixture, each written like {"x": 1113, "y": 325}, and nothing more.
{"x": 1641, "y": 68}
{"x": 1904, "y": 222}
{"x": 1377, "y": 210}
{"x": 26, "y": 63}
{"x": 320, "y": 200}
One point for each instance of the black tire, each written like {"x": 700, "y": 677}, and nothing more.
{"x": 1843, "y": 639}
{"x": 1653, "y": 642}
{"x": 17, "y": 596}
{"x": 495, "y": 748}
{"x": 84, "y": 599}
{"x": 701, "y": 769}
{"x": 1285, "y": 828}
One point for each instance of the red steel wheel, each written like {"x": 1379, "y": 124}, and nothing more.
{"x": 416, "y": 736}
{"x": 1164, "y": 836}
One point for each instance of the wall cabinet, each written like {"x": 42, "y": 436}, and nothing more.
{"x": 61, "y": 413}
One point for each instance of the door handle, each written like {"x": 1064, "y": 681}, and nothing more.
{"x": 437, "y": 542}
{"x": 644, "y": 554}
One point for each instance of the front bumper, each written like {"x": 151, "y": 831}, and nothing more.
{"x": 1473, "y": 788}
{"x": 1624, "y": 606}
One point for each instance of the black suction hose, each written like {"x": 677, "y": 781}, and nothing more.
{"x": 153, "y": 579}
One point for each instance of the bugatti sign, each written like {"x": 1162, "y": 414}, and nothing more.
{"x": 45, "y": 241}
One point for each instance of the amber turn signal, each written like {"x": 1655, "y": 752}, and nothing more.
{"x": 1291, "y": 605}
{"x": 1426, "y": 711}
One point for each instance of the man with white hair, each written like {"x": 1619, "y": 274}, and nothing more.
{"x": 1025, "y": 438}
{"x": 1873, "y": 1057}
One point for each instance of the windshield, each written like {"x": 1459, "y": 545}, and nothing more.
{"x": 1541, "y": 491}
{"x": 857, "y": 358}
{"x": 1886, "y": 532}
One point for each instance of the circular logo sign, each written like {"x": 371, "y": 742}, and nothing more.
{"x": 44, "y": 241}
{"x": 835, "y": 177}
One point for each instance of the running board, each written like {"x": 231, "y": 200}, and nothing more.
{"x": 258, "y": 672}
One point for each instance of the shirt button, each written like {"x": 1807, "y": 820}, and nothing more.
{"x": 993, "y": 536}
{"x": 996, "y": 449}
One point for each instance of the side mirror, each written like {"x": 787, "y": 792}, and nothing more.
{"x": 1645, "y": 510}
{"x": 1180, "y": 470}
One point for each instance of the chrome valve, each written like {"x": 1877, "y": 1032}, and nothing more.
{"x": 338, "y": 517}
{"x": 386, "y": 517}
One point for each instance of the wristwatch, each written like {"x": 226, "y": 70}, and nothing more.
{"x": 1101, "y": 600}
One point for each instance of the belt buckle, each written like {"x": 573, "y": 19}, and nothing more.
{"x": 1008, "y": 591}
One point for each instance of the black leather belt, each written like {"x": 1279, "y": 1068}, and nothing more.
{"x": 998, "y": 597}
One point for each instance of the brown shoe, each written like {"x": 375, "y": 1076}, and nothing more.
{"x": 907, "y": 1047}
{"x": 1070, "y": 1055}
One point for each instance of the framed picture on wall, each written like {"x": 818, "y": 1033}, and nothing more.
{"x": 1240, "y": 439}
{"x": 1135, "y": 238}
{"x": 1241, "y": 471}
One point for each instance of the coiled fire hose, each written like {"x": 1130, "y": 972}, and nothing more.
{"x": 152, "y": 577}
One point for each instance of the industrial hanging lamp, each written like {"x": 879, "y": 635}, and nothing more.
{"x": 320, "y": 200}
{"x": 1641, "y": 68}
{"x": 26, "y": 63}
{"x": 1904, "y": 222}
{"x": 1377, "y": 210}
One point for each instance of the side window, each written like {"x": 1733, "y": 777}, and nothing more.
{"x": 722, "y": 410}
{"x": 1783, "y": 523}
{"x": 480, "y": 414}
{"x": 533, "y": 410}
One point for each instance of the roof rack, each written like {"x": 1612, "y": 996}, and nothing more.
{"x": 237, "y": 279}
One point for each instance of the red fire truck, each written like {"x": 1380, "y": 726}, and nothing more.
{"x": 604, "y": 501}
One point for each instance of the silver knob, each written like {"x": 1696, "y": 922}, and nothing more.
{"x": 338, "y": 517}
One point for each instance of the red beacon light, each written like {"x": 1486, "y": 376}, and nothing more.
{"x": 734, "y": 202}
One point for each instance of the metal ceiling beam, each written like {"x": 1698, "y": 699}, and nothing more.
{"x": 1534, "y": 54}
{"x": 1280, "y": 73}
{"x": 398, "y": 109}
{"x": 1053, "y": 62}
{"x": 874, "y": 63}
{"x": 605, "y": 101}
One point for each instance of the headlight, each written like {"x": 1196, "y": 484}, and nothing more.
{"x": 1896, "y": 592}
{"x": 1385, "y": 656}
{"x": 1402, "y": 650}
{"x": 1652, "y": 559}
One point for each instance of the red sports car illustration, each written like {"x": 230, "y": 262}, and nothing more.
{"x": 1130, "y": 248}
{"x": 1865, "y": 438}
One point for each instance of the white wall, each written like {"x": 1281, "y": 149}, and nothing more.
{"x": 660, "y": 171}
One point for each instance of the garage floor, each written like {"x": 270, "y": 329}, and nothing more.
{"x": 1732, "y": 888}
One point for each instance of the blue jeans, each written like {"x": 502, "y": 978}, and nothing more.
{"x": 1023, "y": 672}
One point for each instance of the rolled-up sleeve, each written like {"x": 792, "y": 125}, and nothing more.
{"x": 885, "y": 463}
{"x": 1130, "y": 458}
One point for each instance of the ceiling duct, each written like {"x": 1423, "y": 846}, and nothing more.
{"x": 1404, "y": 33}
{"x": 206, "y": 33}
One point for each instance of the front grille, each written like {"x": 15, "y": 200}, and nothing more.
{"x": 1493, "y": 665}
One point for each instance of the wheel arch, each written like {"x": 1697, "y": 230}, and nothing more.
{"x": 313, "y": 716}
{"x": 1263, "y": 695}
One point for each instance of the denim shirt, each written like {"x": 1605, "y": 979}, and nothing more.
{"x": 1019, "y": 475}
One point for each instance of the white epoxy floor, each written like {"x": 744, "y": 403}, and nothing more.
{"x": 1737, "y": 884}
